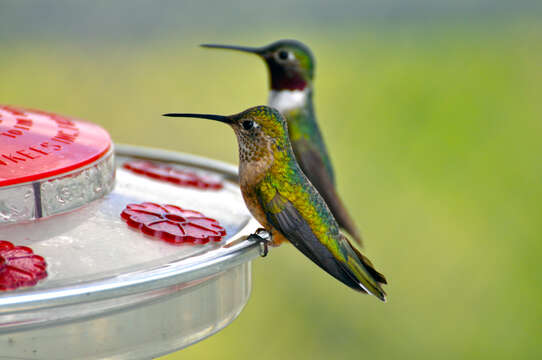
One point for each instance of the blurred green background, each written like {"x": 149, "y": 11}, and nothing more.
{"x": 432, "y": 112}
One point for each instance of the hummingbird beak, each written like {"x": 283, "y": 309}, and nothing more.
{"x": 253, "y": 50}
{"x": 220, "y": 118}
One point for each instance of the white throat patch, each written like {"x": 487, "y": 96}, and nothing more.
{"x": 286, "y": 100}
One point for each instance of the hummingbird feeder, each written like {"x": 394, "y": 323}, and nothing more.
{"x": 114, "y": 251}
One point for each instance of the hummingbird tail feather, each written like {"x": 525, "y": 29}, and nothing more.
{"x": 365, "y": 274}
{"x": 370, "y": 267}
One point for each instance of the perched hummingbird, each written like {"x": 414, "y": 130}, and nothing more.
{"x": 280, "y": 197}
{"x": 291, "y": 69}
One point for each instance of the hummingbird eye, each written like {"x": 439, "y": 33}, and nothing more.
{"x": 247, "y": 124}
{"x": 284, "y": 55}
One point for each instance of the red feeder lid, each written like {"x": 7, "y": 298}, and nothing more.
{"x": 36, "y": 144}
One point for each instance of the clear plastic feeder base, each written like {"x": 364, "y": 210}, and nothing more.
{"x": 113, "y": 292}
{"x": 179, "y": 316}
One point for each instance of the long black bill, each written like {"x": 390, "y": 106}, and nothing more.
{"x": 252, "y": 50}
{"x": 220, "y": 118}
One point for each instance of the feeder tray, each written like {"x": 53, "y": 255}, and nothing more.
{"x": 112, "y": 290}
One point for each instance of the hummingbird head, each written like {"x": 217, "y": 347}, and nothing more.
{"x": 290, "y": 63}
{"x": 261, "y": 131}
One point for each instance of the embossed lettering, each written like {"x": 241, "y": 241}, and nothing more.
{"x": 24, "y": 122}
{"x": 21, "y": 124}
{"x": 54, "y": 147}
{"x": 30, "y": 156}
{"x": 14, "y": 111}
{"x": 64, "y": 137}
{"x": 67, "y": 125}
{"x": 33, "y": 148}
{"x": 30, "y": 153}
{"x": 62, "y": 122}
{"x": 13, "y": 158}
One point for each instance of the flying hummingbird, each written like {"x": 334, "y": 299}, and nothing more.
{"x": 291, "y": 70}
{"x": 280, "y": 197}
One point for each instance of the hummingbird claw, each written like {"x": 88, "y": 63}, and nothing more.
{"x": 264, "y": 249}
{"x": 264, "y": 238}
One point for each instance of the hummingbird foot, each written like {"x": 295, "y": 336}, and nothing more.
{"x": 263, "y": 237}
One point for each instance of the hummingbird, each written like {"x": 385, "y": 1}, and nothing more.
{"x": 291, "y": 69}
{"x": 285, "y": 202}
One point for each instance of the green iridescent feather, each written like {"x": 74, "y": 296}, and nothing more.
{"x": 286, "y": 186}
{"x": 306, "y": 137}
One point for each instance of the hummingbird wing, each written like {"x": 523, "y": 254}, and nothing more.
{"x": 311, "y": 162}
{"x": 345, "y": 263}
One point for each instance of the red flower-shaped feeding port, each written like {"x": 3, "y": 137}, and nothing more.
{"x": 172, "y": 223}
{"x": 19, "y": 266}
{"x": 174, "y": 175}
